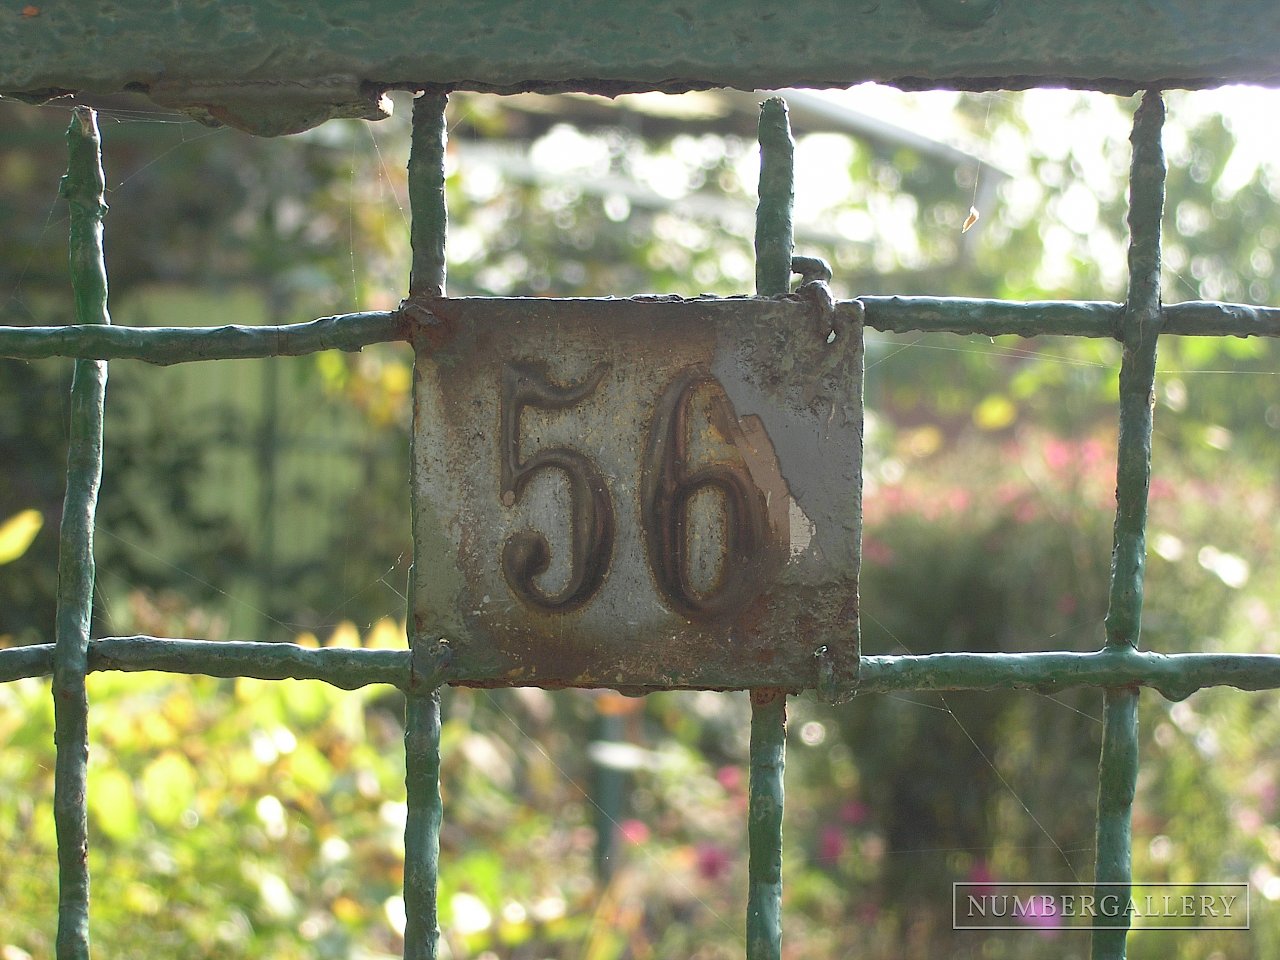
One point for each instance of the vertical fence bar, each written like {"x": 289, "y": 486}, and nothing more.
{"x": 426, "y": 195}
{"x": 1140, "y": 327}
{"x": 764, "y": 824}
{"x": 777, "y": 193}
{"x": 769, "y": 707}
{"x": 422, "y": 828}
{"x": 1118, "y": 766}
{"x": 83, "y": 188}
{"x": 422, "y": 711}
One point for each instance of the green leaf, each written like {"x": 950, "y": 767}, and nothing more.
{"x": 112, "y": 803}
{"x": 168, "y": 787}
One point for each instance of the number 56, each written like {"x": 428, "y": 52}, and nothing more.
{"x": 752, "y": 545}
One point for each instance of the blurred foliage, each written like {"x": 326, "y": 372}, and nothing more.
{"x": 254, "y": 819}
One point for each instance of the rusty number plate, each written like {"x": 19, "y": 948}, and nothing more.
{"x": 647, "y": 493}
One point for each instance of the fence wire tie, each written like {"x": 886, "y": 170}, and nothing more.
{"x": 429, "y": 666}
{"x": 835, "y": 686}
{"x": 811, "y": 269}
{"x": 814, "y": 275}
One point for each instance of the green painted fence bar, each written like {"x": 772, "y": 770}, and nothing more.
{"x": 1118, "y": 765}
{"x": 773, "y": 248}
{"x": 84, "y": 190}
{"x": 1117, "y": 785}
{"x": 277, "y": 66}
{"x": 348, "y": 669}
{"x": 426, "y": 196}
{"x": 169, "y": 345}
{"x": 764, "y": 824}
{"x": 422, "y": 711}
{"x": 422, "y": 826}
{"x": 1197, "y": 318}
{"x": 1176, "y": 676}
{"x": 992, "y": 318}
{"x": 1140, "y": 329}
{"x": 777, "y": 195}
{"x": 355, "y": 331}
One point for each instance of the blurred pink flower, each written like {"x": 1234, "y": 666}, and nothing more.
{"x": 876, "y": 551}
{"x": 713, "y": 861}
{"x": 1161, "y": 489}
{"x": 634, "y": 831}
{"x": 868, "y": 913}
{"x": 854, "y": 812}
{"x": 1042, "y": 914}
{"x": 1248, "y": 819}
{"x": 1057, "y": 454}
{"x": 831, "y": 843}
{"x": 981, "y": 873}
{"x": 1267, "y": 796}
{"x": 730, "y": 777}
{"x": 1007, "y": 492}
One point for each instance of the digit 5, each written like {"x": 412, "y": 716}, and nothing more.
{"x": 527, "y": 554}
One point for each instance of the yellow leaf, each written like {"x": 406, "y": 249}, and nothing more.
{"x": 970, "y": 220}
{"x": 347, "y": 910}
{"x": 17, "y": 532}
{"x": 995, "y": 412}
{"x": 386, "y": 634}
{"x": 397, "y": 378}
{"x": 924, "y": 441}
{"x": 344, "y": 634}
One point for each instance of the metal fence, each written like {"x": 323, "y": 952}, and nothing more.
{"x": 1119, "y": 666}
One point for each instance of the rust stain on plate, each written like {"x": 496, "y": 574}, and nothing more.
{"x": 641, "y": 494}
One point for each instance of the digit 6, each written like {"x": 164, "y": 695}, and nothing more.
{"x": 667, "y": 488}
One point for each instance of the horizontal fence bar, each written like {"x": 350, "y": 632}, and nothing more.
{"x": 1071, "y": 318}
{"x": 354, "y": 331}
{"x": 1202, "y": 318}
{"x": 992, "y": 318}
{"x": 314, "y": 54}
{"x": 343, "y": 667}
{"x": 169, "y": 345}
{"x": 1176, "y": 675}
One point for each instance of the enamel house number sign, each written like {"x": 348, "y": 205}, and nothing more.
{"x": 641, "y": 494}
